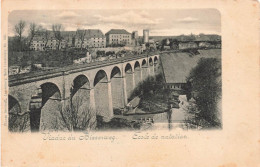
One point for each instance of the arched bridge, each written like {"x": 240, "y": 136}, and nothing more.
{"x": 103, "y": 86}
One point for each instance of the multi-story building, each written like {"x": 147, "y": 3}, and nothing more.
{"x": 90, "y": 38}
{"x": 69, "y": 37}
{"x": 118, "y": 37}
{"x": 45, "y": 40}
{"x": 39, "y": 41}
{"x": 52, "y": 43}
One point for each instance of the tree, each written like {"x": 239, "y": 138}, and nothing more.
{"x": 32, "y": 31}
{"x": 46, "y": 35}
{"x": 19, "y": 29}
{"x": 18, "y": 122}
{"x": 76, "y": 116}
{"x": 100, "y": 53}
{"x": 57, "y": 28}
{"x": 81, "y": 35}
{"x": 205, "y": 81}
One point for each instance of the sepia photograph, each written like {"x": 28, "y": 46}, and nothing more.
{"x": 106, "y": 70}
{"x": 130, "y": 83}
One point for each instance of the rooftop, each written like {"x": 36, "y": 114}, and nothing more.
{"x": 177, "y": 66}
{"x": 117, "y": 31}
{"x": 91, "y": 33}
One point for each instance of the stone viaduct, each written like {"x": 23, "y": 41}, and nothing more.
{"x": 103, "y": 86}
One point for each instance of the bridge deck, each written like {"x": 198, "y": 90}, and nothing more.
{"x": 40, "y": 75}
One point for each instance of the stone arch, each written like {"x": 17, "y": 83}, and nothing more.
{"x": 129, "y": 79}
{"x": 155, "y": 60}
{"x": 80, "y": 82}
{"x": 137, "y": 65}
{"x": 128, "y": 68}
{"x": 115, "y": 72}
{"x": 144, "y": 63}
{"x": 145, "y": 69}
{"x": 138, "y": 72}
{"x": 13, "y": 105}
{"x": 101, "y": 76}
{"x": 50, "y": 90}
{"x": 150, "y": 61}
{"x": 117, "y": 91}
{"x": 17, "y": 121}
{"x": 80, "y": 95}
{"x": 48, "y": 116}
{"x": 102, "y": 92}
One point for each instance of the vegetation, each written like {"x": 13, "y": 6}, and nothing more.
{"x": 57, "y": 28}
{"x": 117, "y": 123}
{"x": 205, "y": 80}
{"x": 74, "y": 117}
{"x": 154, "y": 97}
{"x": 116, "y": 45}
{"x": 18, "y": 123}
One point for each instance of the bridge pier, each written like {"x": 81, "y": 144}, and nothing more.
{"x": 124, "y": 90}
{"x": 145, "y": 72}
{"x": 141, "y": 75}
{"x": 133, "y": 75}
{"x": 110, "y": 103}
{"x": 92, "y": 99}
{"x": 148, "y": 71}
{"x": 152, "y": 70}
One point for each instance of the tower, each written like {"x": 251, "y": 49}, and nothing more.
{"x": 146, "y": 35}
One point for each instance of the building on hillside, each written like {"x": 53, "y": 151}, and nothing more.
{"x": 118, "y": 37}
{"x": 166, "y": 47}
{"x": 187, "y": 45}
{"x": 39, "y": 41}
{"x": 45, "y": 40}
{"x": 93, "y": 38}
{"x": 205, "y": 44}
{"x": 69, "y": 37}
{"x": 12, "y": 70}
{"x": 52, "y": 42}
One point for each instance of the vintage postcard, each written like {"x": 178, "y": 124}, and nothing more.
{"x": 130, "y": 83}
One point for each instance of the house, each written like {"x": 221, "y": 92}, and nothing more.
{"x": 187, "y": 45}
{"x": 90, "y": 38}
{"x": 12, "y": 70}
{"x": 166, "y": 47}
{"x": 205, "y": 45}
{"x": 25, "y": 69}
{"x": 118, "y": 37}
{"x": 87, "y": 59}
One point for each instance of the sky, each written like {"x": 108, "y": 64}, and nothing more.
{"x": 160, "y": 22}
